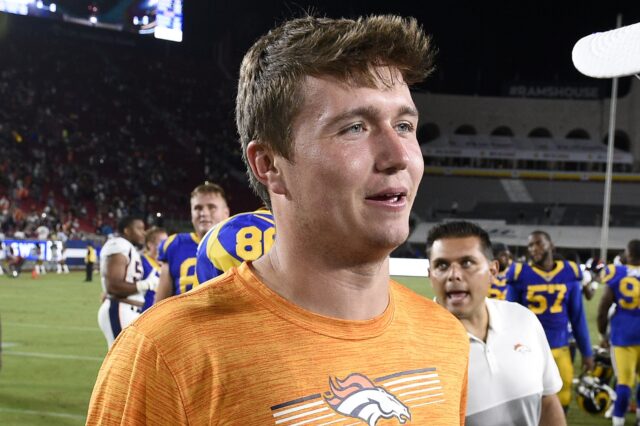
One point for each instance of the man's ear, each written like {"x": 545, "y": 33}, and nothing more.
{"x": 494, "y": 267}
{"x": 266, "y": 166}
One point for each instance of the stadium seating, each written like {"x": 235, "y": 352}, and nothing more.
{"x": 91, "y": 131}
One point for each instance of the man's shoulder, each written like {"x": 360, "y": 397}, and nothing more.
{"x": 419, "y": 306}
{"x": 510, "y": 311}
{"x": 212, "y": 301}
{"x": 176, "y": 243}
{"x": 181, "y": 239}
{"x": 116, "y": 245}
{"x": 514, "y": 272}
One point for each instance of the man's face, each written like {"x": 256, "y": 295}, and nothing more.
{"x": 539, "y": 248}
{"x": 460, "y": 275}
{"x": 153, "y": 244}
{"x": 504, "y": 259}
{"x": 135, "y": 233}
{"x": 207, "y": 209}
{"x": 356, "y": 165}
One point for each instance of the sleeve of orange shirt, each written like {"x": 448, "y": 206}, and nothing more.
{"x": 133, "y": 382}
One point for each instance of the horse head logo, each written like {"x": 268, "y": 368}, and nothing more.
{"x": 356, "y": 396}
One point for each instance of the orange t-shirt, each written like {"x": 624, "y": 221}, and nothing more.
{"x": 233, "y": 352}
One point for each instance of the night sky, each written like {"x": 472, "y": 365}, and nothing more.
{"x": 481, "y": 46}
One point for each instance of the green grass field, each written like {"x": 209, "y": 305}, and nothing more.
{"x": 53, "y": 349}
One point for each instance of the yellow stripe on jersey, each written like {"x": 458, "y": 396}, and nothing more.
{"x": 576, "y": 269}
{"x": 265, "y": 218}
{"x": 154, "y": 263}
{"x": 548, "y": 276}
{"x": 259, "y": 213}
{"x": 223, "y": 262}
{"x": 195, "y": 238}
{"x": 169, "y": 241}
{"x": 517, "y": 271}
{"x": 217, "y": 253}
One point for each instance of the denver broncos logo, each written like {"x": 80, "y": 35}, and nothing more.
{"x": 356, "y": 396}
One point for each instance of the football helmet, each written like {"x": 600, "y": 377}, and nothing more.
{"x": 593, "y": 396}
{"x": 603, "y": 368}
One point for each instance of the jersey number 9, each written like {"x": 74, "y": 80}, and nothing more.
{"x": 630, "y": 288}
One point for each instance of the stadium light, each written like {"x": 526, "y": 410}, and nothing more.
{"x": 610, "y": 54}
{"x": 53, "y": 8}
{"x": 93, "y": 20}
{"x": 136, "y": 21}
{"x": 39, "y": 4}
{"x": 158, "y": 214}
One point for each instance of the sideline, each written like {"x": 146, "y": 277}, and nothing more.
{"x": 42, "y": 413}
{"x": 52, "y": 356}
{"x": 61, "y": 327}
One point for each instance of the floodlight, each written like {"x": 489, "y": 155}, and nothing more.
{"x": 614, "y": 53}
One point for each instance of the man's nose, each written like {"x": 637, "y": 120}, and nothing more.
{"x": 455, "y": 272}
{"x": 392, "y": 155}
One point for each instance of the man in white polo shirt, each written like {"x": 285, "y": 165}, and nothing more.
{"x": 513, "y": 379}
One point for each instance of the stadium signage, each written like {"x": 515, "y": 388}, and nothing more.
{"x": 28, "y": 249}
{"x": 75, "y": 250}
{"x": 579, "y": 157}
{"x": 553, "y": 91}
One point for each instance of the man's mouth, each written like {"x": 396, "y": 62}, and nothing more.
{"x": 457, "y": 296}
{"x": 392, "y": 197}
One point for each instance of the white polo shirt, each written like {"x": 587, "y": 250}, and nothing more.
{"x": 509, "y": 374}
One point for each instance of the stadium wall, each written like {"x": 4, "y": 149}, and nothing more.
{"x": 570, "y": 237}
{"x": 521, "y": 115}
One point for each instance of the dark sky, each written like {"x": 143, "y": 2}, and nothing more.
{"x": 480, "y": 45}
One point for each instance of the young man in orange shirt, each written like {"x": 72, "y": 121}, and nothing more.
{"x": 313, "y": 332}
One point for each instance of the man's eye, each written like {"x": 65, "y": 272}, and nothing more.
{"x": 405, "y": 127}
{"x": 354, "y": 128}
{"x": 442, "y": 266}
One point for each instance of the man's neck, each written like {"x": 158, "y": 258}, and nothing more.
{"x": 478, "y": 324}
{"x": 547, "y": 264}
{"x": 315, "y": 282}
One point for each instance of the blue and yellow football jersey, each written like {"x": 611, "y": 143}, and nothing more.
{"x": 498, "y": 288}
{"x": 149, "y": 266}
{"x": 179, "y": 252}
{"x": 245, "y": 236}
{"x": 555, "y": 297}
{"x": 624, "y": 281}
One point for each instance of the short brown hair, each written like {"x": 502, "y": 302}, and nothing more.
{"x": 272, "y": 71}
{"x": 152, "y": 232}
{"x": 208, "y": 188}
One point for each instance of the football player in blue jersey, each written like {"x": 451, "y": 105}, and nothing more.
{"x": 178, "y": 252}
{"x": 622, "y": 287}
{"x": 502, "y": 254}
{"x": 552, "y": 290}
{"x": 243, "y": 237}
{"x": 150, "y": 264}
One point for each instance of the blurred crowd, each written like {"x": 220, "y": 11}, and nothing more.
{"x": 91, "y": 132}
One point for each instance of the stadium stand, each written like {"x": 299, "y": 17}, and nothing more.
{"x": 91, "y": 132}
